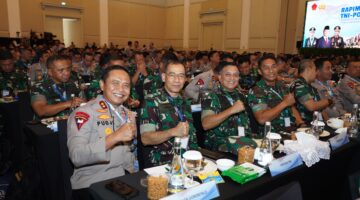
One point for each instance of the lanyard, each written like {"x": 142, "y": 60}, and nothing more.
{"x": 57, "y": 91}
{"x": 328, "y": 88}
{"x": 356, "y": 81}
{"x": 276, "y": 93}
{"x": 177, "y": 108}
{"x": 231, "y": 101}
{"x": 123, "y": 121}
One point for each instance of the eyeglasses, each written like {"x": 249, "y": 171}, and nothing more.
{"x": 172, "y": 75}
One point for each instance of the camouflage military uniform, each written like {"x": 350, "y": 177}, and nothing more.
{"x": 54, "y": 93}
{"x": 262, "y": 97}
{"x": 139, "y": 85}
{"x": 158, "y": 114}
{"x": 20, "y": 64}
{"x": 303, "y": 93}
{"x": 13, "y": 81}
{"x": 246, "y": 82}
{"x": 152, "y": 83}
{"x": 217, "y": 138}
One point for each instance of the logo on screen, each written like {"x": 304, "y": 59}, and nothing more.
{"x": 314, "y": 6}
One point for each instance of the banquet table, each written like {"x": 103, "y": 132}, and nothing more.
{"x": 15, "y": 114}
{"x": 327, "y": 179}
{"x": 51, "y": 154}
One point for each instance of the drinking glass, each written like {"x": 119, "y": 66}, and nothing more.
{"x": 192, "y": 164}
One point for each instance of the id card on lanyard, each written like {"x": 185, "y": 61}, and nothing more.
{"x": 287, "y": 121}
{"x": 62, "y": 96}
{"x": 184, "y": 140}
{"x": 240, "y": 129}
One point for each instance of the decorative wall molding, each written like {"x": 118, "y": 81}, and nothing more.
{"x": 213, "y": 12}
{"x": 45, "y": 6}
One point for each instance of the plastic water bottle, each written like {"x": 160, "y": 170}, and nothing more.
{"x": 353, "y": 129}
{"x": 315, "y": 124}
{"x": 176, "y": 182}
{"x": 266, "y": 146}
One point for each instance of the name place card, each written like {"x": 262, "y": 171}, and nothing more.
{"x": 204, "y": 191}
{"x": 196, "y": 108}
{"x": 338, "y": 140}
{"x": 285, "y": 163}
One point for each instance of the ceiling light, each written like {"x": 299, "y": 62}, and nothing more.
{"x": 63, "y": 3}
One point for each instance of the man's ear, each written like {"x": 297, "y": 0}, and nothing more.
{"x": 102, "y": 85}
{"x": 163, "y": 75}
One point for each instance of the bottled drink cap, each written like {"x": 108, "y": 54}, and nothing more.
{"x": 356, "y": 105}
{"x": 192, "y": 155}
{"x": 177, "y": 140}
{"x": 267, "y": 123}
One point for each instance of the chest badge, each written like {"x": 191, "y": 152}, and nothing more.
{"x": 108, "y": 131}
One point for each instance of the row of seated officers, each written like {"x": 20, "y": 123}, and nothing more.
{"x": 101, "y": 132}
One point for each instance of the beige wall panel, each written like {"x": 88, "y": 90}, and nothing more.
{"x": 264, "y": 24}
{"x": 300, "y": 20}
{"x": 129, "y": 21}
{"x": 194, "y": 44}
{"x": 194, "y": 20}
{"x": 91, "y": 21}
{"x": 55, "y": 26}
{"x": 118, "y": 19}
{"x": 155, "y": 24}
{"x": 174, "y": 22}
{"x": 232, "y": 44}
{"x": 214, "y": 5}
{"x": 137, "y": 19}
{"x": 31, "y": 16}
{"x": 233, "y": 19}
{"x": 175, "y": 43}
{"x": 4, "y": 20}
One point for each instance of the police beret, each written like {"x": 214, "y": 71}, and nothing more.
{"x": 326, "y": 28}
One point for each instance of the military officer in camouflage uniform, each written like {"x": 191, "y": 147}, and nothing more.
{"x": 57, "y": 94}
{"x": 138, "y": 74}
{"x": 11, "y": 80}
{"x": 166, "y": 115}
{"x": 153, "y": 82}
{"x": 99, "y": 134}
{"x": 270, "y": 99}
{"x": 349, "y": 86}
{"x": 247, "y": 79}
{"x": 224, "y": 112}
{"x": 306, "y": 96}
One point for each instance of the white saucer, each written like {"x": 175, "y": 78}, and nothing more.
{"x": 324, "y": 134}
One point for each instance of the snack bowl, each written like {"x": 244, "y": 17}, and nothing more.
{"x": 335, "y": 123}
{"x": 224, "y": 164}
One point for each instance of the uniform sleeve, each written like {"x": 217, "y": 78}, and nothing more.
{"x": 349, "y": 93}
{"x": 82, "y": 150}
{"x": 209, "y": 106}
{"x": 256, "y": 101}
{"x": 38, "y": 93}
{"x": 148, "y": 117}
{"x": 302, "y": 93}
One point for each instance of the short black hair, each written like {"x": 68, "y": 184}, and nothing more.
{"x": 107, "y": 71}
{"x": 172, "y": 62}
{"x": 222, "y": 65}
{"x": 319, "y": 63}
{"x": 265, "y": 57}
{"x": 243, "y": 59}
{"x": 167, "y": 57}
{"x": 211, "y": 53}
{"x": 50, "y": 61}
{"x": 5, "y": 55}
